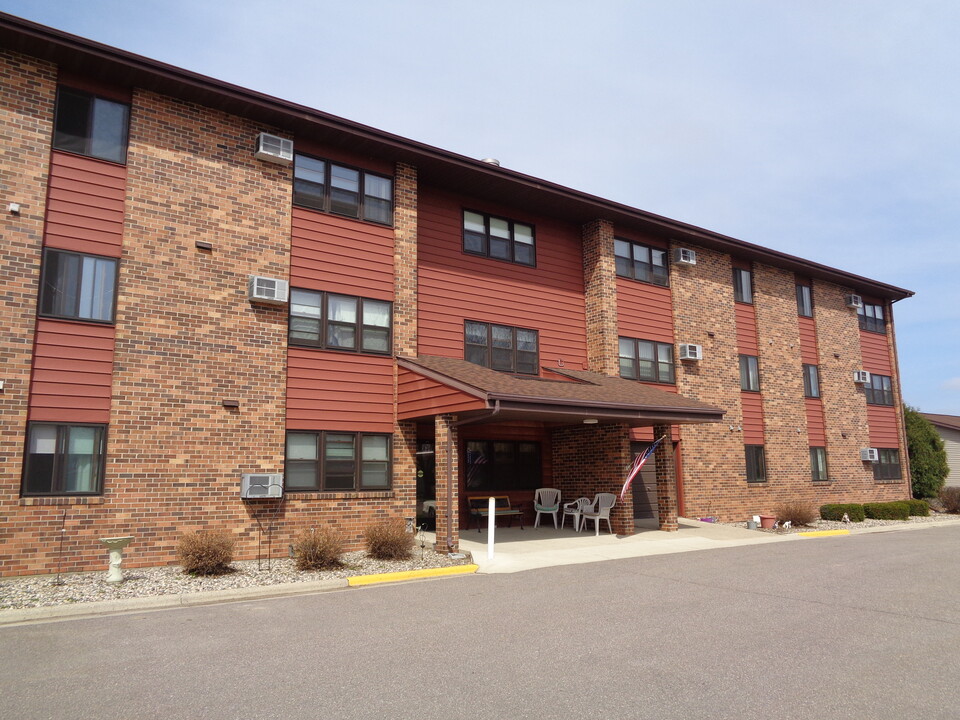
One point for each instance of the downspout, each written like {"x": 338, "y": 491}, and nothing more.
{"x": 496, "y": 410}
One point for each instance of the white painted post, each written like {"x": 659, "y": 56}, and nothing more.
{"x": 491, "y": 525}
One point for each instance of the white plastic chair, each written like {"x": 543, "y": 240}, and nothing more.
{"x": 574, "y": 510}
{"x": 600, "y": 510}
{"x": 546, "y": 501}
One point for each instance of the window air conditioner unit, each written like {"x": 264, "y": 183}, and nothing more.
{"x": 268, "y": 290}
{"x": 261, "y": 485}
{"x": 684, "y": 256}
{"x": 274, "y": 149}
{"x": 870, "y": 455}
{"x": 691, "y": 352}
{"x": 861, "y": 377}
{"x": 854, "y": 301}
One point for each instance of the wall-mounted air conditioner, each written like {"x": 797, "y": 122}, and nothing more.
{"x": 684, "y": 256}
{"x": 274, "y": 149}
{"x": 691, "y": 352}
{"x": 854, "y": 301}
{"x": 870, "y": 455}
{"x": 268, "y": 290}
{"x": 861, "y": 377}
{"x": 261, "y": 485}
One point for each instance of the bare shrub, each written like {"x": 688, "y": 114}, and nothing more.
{"x": 318, "y": 549}
{"x": 206, "y": 552}
{"x": 389, "y": 540}
{"x": 950, "y": 497}
{"x": 797, "y": 512}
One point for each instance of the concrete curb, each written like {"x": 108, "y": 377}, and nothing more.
{"x": 360, "y": 580}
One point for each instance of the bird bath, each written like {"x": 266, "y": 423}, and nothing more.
{"x": 116, "y": 546}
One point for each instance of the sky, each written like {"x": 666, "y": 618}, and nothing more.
{"x": 824, "y": 129}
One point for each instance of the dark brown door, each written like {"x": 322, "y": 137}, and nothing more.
{"x": 645, "y": 486}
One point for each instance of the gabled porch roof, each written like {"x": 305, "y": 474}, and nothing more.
{"x": 429, "y": 385}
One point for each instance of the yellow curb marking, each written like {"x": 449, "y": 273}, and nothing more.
{"x": 411, "y": 574}
{"x": 823, "y": 533}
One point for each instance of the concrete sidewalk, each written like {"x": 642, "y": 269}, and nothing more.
{"x": 516, "y": 549}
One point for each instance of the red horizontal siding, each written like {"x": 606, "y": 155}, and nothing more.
{"x": 875, "y": 353}
{"x": 808, "y": 341}
{"x": 418, "y": 396}
{"x": 746, "y": 318}
{"x": 816, "y": 430}
{"x": 72, "y": 372}
{"x": 454, "y": 286}
{"x": 883, "y": 426}
{"x": 339, "y": 391}
{"x": 338, "y": 254}
{"x": 85, "y": 205}
{"x": 752, "y": 418}
{"x": 644, "y": 311}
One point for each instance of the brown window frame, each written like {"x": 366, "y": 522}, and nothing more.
{"x": 511, "y": 242}
{"x": 756, "y": 461}
{"x": 650, "y": 272}
{"x": 669, "y": 377}
{"x": 745, "y": 384}
{"x": 49, "y": 288}
{"x": 491, "y": 474}
{"x": 489, "y": 348}
{"x": 321, "y": 465}
{"x": 882, "y": 395}
{"x": 870, "y": 317}
{"x": 888, "y": 466}
{"x": 327, "y": 200}
{"x": 60, "y": 141}
{"x": 804, "y": 300}
{"x": 57, "y": 478}
{"x": 360, "y": 330}
{"x": 743, "y": 286}
{"x": 819, "y": 471}
{"x": 811, "y": 380}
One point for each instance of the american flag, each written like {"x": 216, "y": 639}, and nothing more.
{"x": 475, "y": 458}
{"x": 637, "y": 464}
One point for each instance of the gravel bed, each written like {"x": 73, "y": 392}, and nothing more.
{"x": 41, "y": 590}
{"x": 868, "y": 523}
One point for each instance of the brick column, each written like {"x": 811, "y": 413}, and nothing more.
{"x": 448, "y": 481}
{"x": 405, "y": 467}
{"x": 405, "y": 261}
{"x": 600, "y": 297}
{"x": 666, "y": 480}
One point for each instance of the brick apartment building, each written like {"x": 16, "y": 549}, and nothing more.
{"x": 451, "y": 328}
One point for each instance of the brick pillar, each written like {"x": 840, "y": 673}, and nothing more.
{"x": 666, "y": 480}
{"x": 600, "y": 296}
{"x": 448, "y": 481}
{"x": 405, "y": 467}
{"x": 405, "y": 261}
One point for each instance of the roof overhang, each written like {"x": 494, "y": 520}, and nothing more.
{"x": 435, "y": 166}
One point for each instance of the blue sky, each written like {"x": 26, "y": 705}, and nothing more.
{"x": 827, "y": 130}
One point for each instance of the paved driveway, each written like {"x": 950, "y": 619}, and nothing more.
{"x": 851, "y": 627}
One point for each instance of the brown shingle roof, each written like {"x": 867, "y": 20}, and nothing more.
{"x": 947, "y": 421}
{"x": 574, "y": 393}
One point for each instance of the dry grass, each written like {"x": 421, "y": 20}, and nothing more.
{"x": 318, "y": 549}
{"x": 797, "y": 512}
{"x": 206, "y": 552}
{"x": 389, "y": 540}
{"x": 950, "y": 497}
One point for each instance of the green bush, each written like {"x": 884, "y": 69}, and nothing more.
{"x": 897, "y": 510}
{"x": 928, "y": 458}
{"x": 950, "y": 497}
{"x": 206, "y": 552}
{"x": 836, "y": 511}
{"x": 389, "y": 540}
{"x": 318, "y": 549}
{"x": 797, "y": 512}
{"x": 919, "y": 508}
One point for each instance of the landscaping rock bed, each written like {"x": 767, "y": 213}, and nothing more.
{"x": 854, "y": 526}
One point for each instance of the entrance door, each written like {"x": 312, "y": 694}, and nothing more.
{"x": 644, "y": 486}
{"x": 426, "y": 485}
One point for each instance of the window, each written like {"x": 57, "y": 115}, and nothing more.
{"x": 640, "y": 262}
{"x": 804, "y": 300}
{"x": 341, "y": 190}
{"x": 871, "y": 318}
{"x": 339, "y": 322}
{"x": 64, "y": 459}
{"x": 336, "y": 461}
{"x": 646, "y": 360}
{"x": 818, "y": 464}
{"x": 502, "y": 465}
{"x": 756, "y": 463}
{"x": 749, "y": 373}
{"x": 498, "y": 238}
{"x": 811, "y": 381}
{"x": 742, "y": 285}
{"x": 80, "y": 287}
{"x": 888, "y": 468}
{"x": 501, "y": 347}
{"x": 878, "y": 390}
{"x": 91, "y": 125}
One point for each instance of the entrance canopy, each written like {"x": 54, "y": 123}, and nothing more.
{"x": 429, "y": 385}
